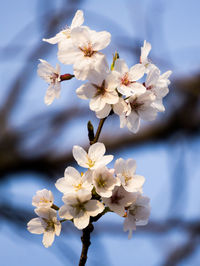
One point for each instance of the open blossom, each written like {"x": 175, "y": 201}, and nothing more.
{"x": 46, "y": 224}
{"x": 119, "y": 200}
{"x": 83, "y": 51}
{"x": 137, "y": 214}
{"x": 127, "y": 79}
{"x": 144, "y": 56}
{"x": 158, "y": 84}
{"x": 52, "y": 76}
{"x": 72, "y": 181}
{"x": 80, "y": 207}
{"x": 140, "y": 107}
{"x": 43, "y": 198}
{"x": 101, "y": 90}
{"x": 118, "y": 108}
{"x": 94, "y": 158}
{"x": 65, "y": 34}
{"x": 104, "y": 181}
{"x": 125, "y": 171}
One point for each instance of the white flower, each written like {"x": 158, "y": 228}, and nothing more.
{"x": 158, "y": 84}
{"x": 126, "y": 78}
{"x": 80, "y": 207}
{"x": 144, "y": 56}
{"x": 46, "y": 224}
{"x": 104, "y": 181}
{"x": 65, "y": 34}
{"x": 83, "y": 51}
{"x": 119, "y": 200}
{"x": 140, "y": 107}
{"x": 43, "y": 198}
{"x": 94, "y": 158}
{"x": 52, "y": 76}
{"x": 125, "y": 171}
{"x": 137, "y": 214}
{"x": 101, "y": 92}
{"x": 72, "y": 181}
{"x": 118, "y": 108}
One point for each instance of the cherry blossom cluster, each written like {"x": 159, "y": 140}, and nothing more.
{"x": 91, "y": 193}
{"x": 133, "y": 93}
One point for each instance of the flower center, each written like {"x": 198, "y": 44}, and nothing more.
{"x": 135, "y": 105}
{"x": 101, "y": 90}
{"x": 54, "y": 77}
{"x": 87, "y": 50}
{"x": 78, "y": 187}
{"x": 43, "y": 200}
{"x": 125, "y": 80}
{"x": 49, "y": 225}
{"x": 115, "y": 199}
{"x": 101, "y": 182}
{"x": 90, "y": 163}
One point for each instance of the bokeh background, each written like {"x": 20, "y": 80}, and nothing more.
{"x": 36, "y": 140}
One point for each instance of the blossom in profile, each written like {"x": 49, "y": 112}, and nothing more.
{"x": 125, "y": 171}
{"x": 46, "y": 224}
{"x": 140, "y": 107}
{"x": 52, "y": 77}
{"x": 83, "y": 51}
{"x": 65, "y": 34}
{"x": 95, "y": 157}
{"x": 137, "y": 214}
{"x": 104, "y": 181}
{"x": 101, "y": 91}
{"x": 43, "y": 198}
{"x": 80, "y": 207}
{"x": 145, "y": 49}
{"x": 158, "y": 84}
{"x": 73, "y": 181}
{"x": 127, "y": 78}
{"x": 119, "y": 200}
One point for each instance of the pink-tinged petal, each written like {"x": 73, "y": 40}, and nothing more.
{"x": 64, "y": 212}
{"x": 86, "y": 91}
{"x": 82, "y": 222}
{"x": 136, "y": 72}
{"x": 129, "y": 225}
{"x": 133, "y": 122}
{"x": 80, "y": 37}
{"x": 100, "y": 40}
{"x": 97, "y": 103}
{"x": 121, "y": 66}
{"x": 78, "y": 19}
{"x": 152, "y": 77}
{"x": 34, "y": 226}
{"x": 48, "y": 238}
{"x": 96, "y": 151}
{"x": 119, "y": 166}
{"x": 134, "y": 184}
{"x": 80, "y": 155}
{"x": 131, "y": 166}
{"x": 94, "y": 207}
{"x": 50, "y": 95}
{"x": 104, "y": 112}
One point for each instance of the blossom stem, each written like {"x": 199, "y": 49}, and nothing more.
{"x": 53, "y": 206}
{"x": 96, "y": 137}
{"x": 85, "y": 243}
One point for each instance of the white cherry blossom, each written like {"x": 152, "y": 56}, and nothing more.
{"x": 101, "y": 90}
{"x": 137, "y": 214}
{"x": 43, "y": 198}
{"x": 46, "y": 224}
{"x": 104, "y": 181}
{"x": 80, "y": 207}
{"x": 66, "y": 33}
{"x": 158, "y": 84}
{"x": 145, "y": 49}
{"x": 72, "y": 181}
{"x": 94, "y": 158}
{"x": 119, "y": 200}
{"x": 127, "y": 78}
{"x": 125, "y": 171}
{"x": 52, "y": 76}
{"x": 83, "y": 51}
{"x": 140, "y": 107}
